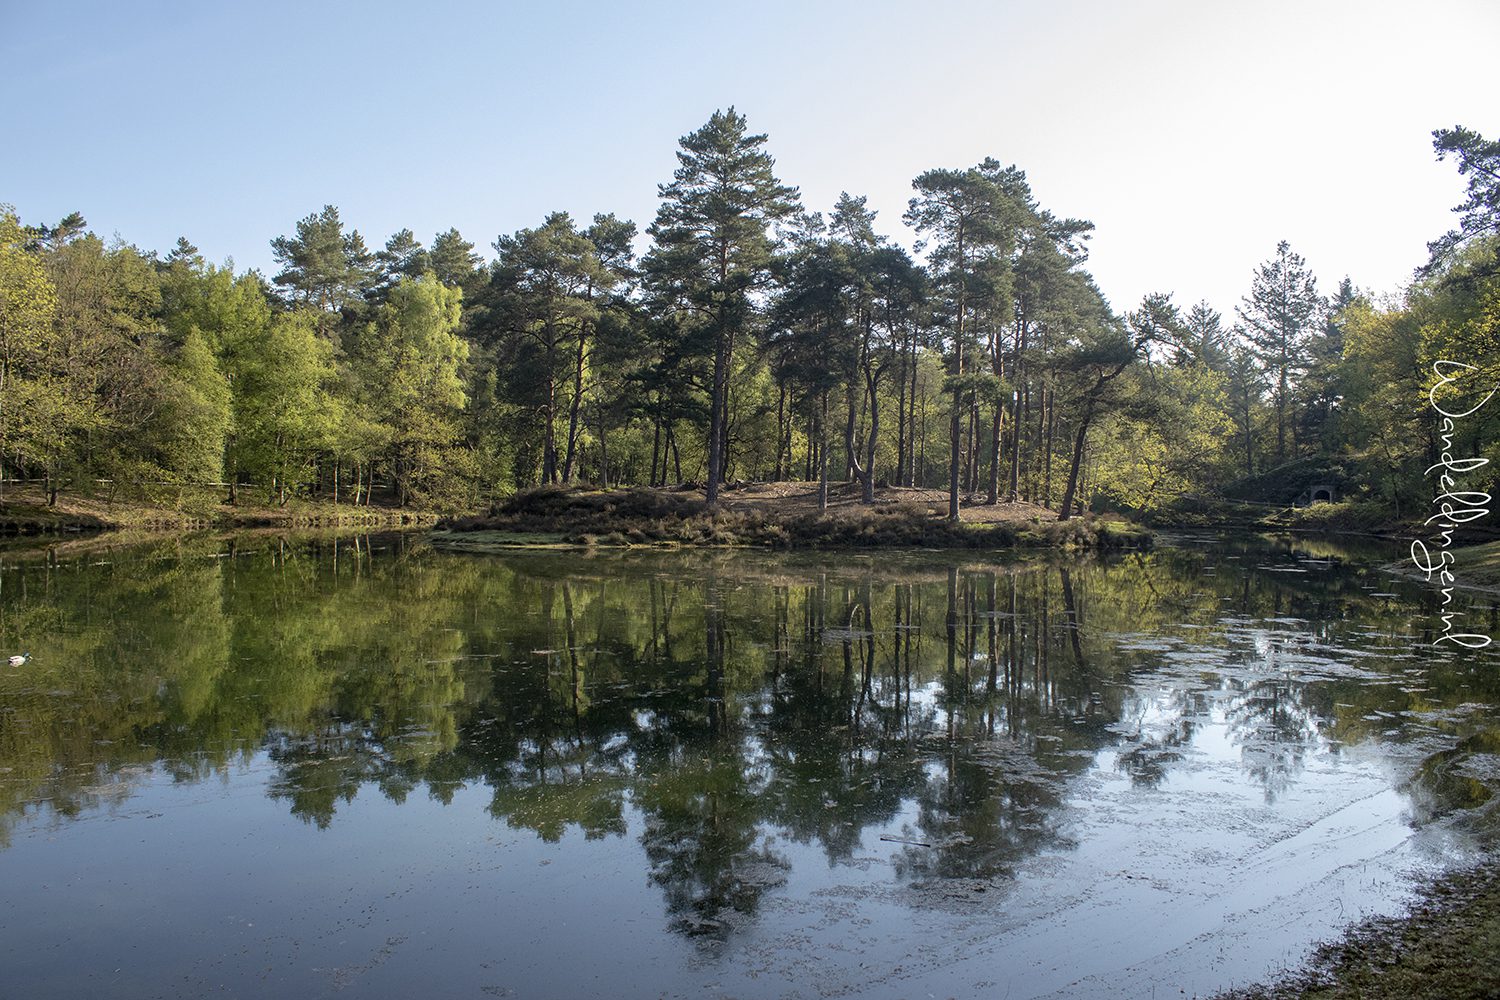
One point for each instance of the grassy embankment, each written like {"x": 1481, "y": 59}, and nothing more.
{"x": 1474, "y": 567}
{"x": 27, "y": 513}
{"x": 1479, "y": 565}
{"x": 1446, "y": 948}
{"x": 772, "y": 515}
{"x": 1277, "y": 499}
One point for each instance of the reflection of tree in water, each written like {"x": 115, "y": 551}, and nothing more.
{"x": 316, "y": 771}
{"x": 1273, "y": 717}
{"x": 700, "y": 795}
{"x": 703, "y": 839}
{"x": 836, "y": 737}
{"x": 1303, "y": 609}
{"x": 1149, "y": 756}
{"x": 1013, "y": 675}
{"x": 811, "y": 708}
{"x": 722, "y": 704}
{"x": 1155, "y": 725}
{"x": 1274, "y": 729}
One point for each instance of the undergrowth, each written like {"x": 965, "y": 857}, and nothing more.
{"x": 650, "y": 517}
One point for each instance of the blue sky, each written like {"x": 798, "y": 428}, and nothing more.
{"x": 1195, "y": 135}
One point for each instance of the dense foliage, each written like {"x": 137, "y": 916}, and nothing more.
{"x": 740, "y": 336}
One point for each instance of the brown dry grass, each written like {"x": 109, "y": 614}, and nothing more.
{"x": 784, "y": 515}
{"x": 802, "y": 498}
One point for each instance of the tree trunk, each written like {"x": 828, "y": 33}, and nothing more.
{"x": 716, "y": 417}
{"x": 603, "y": 453}
{"x": 971, "y": 460}
{"x": 234, "y": 479}
{"x": 576, "y": 404}
{"x": 1051, "y": 428}
{"x": 820, "y": 420}
{"x": 781, "y": 430}
{"x": 726, "y": 425}
{"x": 1035, "y": 465}
{"x": 955, "y": 436}
{"x": 955, "y": 427}
{"x": 871, "y": 387}
{"x": 1249, "y": 444}
{"x": 997, "y": 431}
{"x": 900, "y": 479}
{"x": 1281, "y": 418}
{"x": 1083, "y": 428}
{"x": 1015, "y": 424}
{"x": 859, "y": 471}
{"x": 851, "y": 466}
{"x": 549, "y": 442}
{"x": 922, "y": 456}
{"x": 812, "y": 449}
{"x": 911, "y": 444}
{"x": 656, "y": 447}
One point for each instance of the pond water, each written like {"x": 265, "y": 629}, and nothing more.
{"x": 360, "y": 766}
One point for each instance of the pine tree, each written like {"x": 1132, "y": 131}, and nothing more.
{"x": 542, "y": 292}
{"x": 968, "y": 220}
{"x": 611, "y": 239}
{"x": 1479, "y": 160}
{"x": 1278, "y": 316}
{"x": 1205, "y": 341}
{"x": 322, "y": 266}
{"x": 713, "y": 248}
{"x": 403, "y": 257}
{"x": 453, "y": 259}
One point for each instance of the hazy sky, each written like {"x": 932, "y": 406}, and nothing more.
{"x": 1194, "y": 134}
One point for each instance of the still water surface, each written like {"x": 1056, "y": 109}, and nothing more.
{"x": 363, "y": 767}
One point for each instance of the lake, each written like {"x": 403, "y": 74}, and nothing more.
{"x": 360, "y": 766}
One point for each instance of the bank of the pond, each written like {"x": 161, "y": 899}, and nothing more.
{"x": 1345, "y": 517}
{"x": 1474, "y": 567}
{"x": 1479, "y": 565}
{"x": 23, "y": 514}
{"x": 1444, "y": 948}
{"x": 773, "y": 515}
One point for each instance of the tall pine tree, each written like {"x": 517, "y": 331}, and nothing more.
{"x": 713, "y": 247}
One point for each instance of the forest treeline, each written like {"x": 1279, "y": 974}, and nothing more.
{"x": 739, "y": 336}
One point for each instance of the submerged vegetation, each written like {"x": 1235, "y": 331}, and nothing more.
{"x": 742, "y": 336}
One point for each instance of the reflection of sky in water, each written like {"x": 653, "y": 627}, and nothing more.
{"x": 459, "y": 776}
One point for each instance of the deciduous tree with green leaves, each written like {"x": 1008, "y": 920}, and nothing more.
{"x": 27, "y": 305}
{"x": 410, "y": 362}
